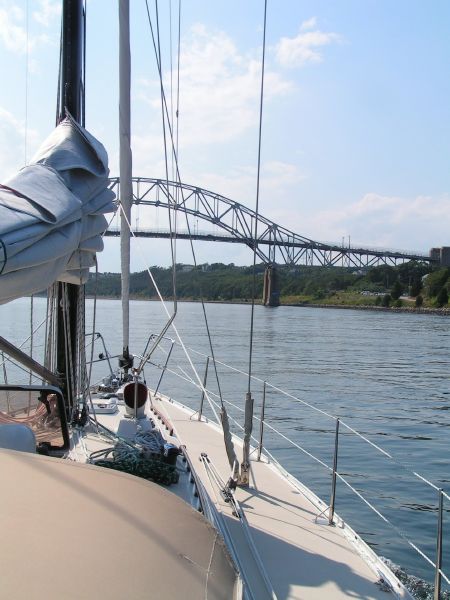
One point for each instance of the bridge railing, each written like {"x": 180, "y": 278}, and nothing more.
{"x": 374, "y": 249}
{"x": 195, "y": 231}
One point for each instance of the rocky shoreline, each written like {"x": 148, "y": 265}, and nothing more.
{"x": 444, "y": 312}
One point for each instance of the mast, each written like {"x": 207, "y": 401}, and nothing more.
{"x": 71, "y": 94}
{"x": 71, "y": 82}
{"x": 126, "y": 188}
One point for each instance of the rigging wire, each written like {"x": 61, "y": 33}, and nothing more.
{"x": 85, "y": 381}
{"x": 27, "y": 59}
{"x": 175, "y": 155}
{"x": 171, "y": 78}
{"x": 50, "y": 327}
{"x": 31, "y": 345}
{"x": 223, "y": 413}
{"x": 58, "y": 91}
{"x": 177, "y": 112}
{"x": 168, "y": 324}
{"x": 80, "y": 373}
{"x": 69, "y": 362}
{"x": 83, "y": 83}
{"x": 163, "y": 114}
{"x": 258, "y": 176}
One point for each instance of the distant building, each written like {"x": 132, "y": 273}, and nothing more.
{"x": 442, "y": 255}
{"x": 186, "y": 268}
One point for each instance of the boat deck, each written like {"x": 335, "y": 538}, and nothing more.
{"x": 300, "y": 556}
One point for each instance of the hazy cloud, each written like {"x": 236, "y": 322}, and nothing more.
{"x": 278, "y": 179}
{"x": 47, "y": 11}
{"x": 306, "y": 47}
{"x": 384, "y": 221}
{"x": 220, "y": 88}
{"x": 309, "y": 24}
{"x": 13, "y": 31}
{"x": 12, "y": 143}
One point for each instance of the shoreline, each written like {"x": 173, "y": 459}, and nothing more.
{"x": 403, "y": 309}
{"x": 444, "y": 312}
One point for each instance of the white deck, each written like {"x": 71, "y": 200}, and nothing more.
{"x": 303, "y": 559}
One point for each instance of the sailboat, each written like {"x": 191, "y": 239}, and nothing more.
{"x": 83, "y": 513}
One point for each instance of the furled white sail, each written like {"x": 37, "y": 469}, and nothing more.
{"x": 52, "y": 213}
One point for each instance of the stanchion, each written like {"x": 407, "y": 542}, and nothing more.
{"x": 164, "y": 368}
{"x": 261, "y": 425}
{"x": 333, "y": 481}
{"x": 203, "y": 391}
{"x": 437, "y": 577}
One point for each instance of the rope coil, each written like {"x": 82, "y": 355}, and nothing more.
{"x": 144, "y": 457}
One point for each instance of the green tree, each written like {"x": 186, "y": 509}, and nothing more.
{"x": 416, "y": 286}
{"x": 386, "y": 301}
{"x": 442, "y": 297}
{"x": 383, "y": 275}
{"x": 435, "y": 281}
{"x": 397, "y": 290}
{"x": 411, "y": 271}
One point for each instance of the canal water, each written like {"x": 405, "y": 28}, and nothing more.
{"x": 385, "y": 375}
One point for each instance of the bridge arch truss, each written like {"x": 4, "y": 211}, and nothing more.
{"x": 274, "y": 244}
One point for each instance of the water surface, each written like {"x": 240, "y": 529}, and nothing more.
{"x": 384, "y": 374}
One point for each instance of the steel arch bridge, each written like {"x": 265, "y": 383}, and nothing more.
{"x": 274, "y": 244}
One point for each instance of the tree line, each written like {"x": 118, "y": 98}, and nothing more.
{"x": 219, "y": 282}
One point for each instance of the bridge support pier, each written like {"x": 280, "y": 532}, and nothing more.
{"x": 271, "y": 289}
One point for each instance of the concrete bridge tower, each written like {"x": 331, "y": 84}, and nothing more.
{"x": 271, "y": 289}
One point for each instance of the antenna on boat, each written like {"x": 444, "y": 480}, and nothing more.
{"x": 126, "y": 186}
{"x": 71, "y": 101}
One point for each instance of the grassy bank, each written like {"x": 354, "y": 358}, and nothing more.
{"x": 351, "y": 299}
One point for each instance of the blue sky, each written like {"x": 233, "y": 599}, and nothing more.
{"x": 356, "y": 130}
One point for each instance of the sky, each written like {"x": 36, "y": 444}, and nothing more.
{"x": 356, "y": 117}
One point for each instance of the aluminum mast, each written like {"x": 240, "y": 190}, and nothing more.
{"x": 126, "y": 186}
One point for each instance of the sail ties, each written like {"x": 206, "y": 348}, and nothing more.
{"x": 248, "y": 426}
{"x": 229, "y": 446}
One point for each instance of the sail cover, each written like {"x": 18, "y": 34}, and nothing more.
{"x": 52, "y": 213}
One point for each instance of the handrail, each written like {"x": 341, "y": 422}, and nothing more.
{"x": 322, "y": 412}
{"x": 435, "y": 564}
{"x": 184, "y": 377}
{"x": 295, "y": 399}
{"x": 95, "y": 336}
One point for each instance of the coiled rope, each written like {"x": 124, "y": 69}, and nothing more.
{"x": 144, "y": 457}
